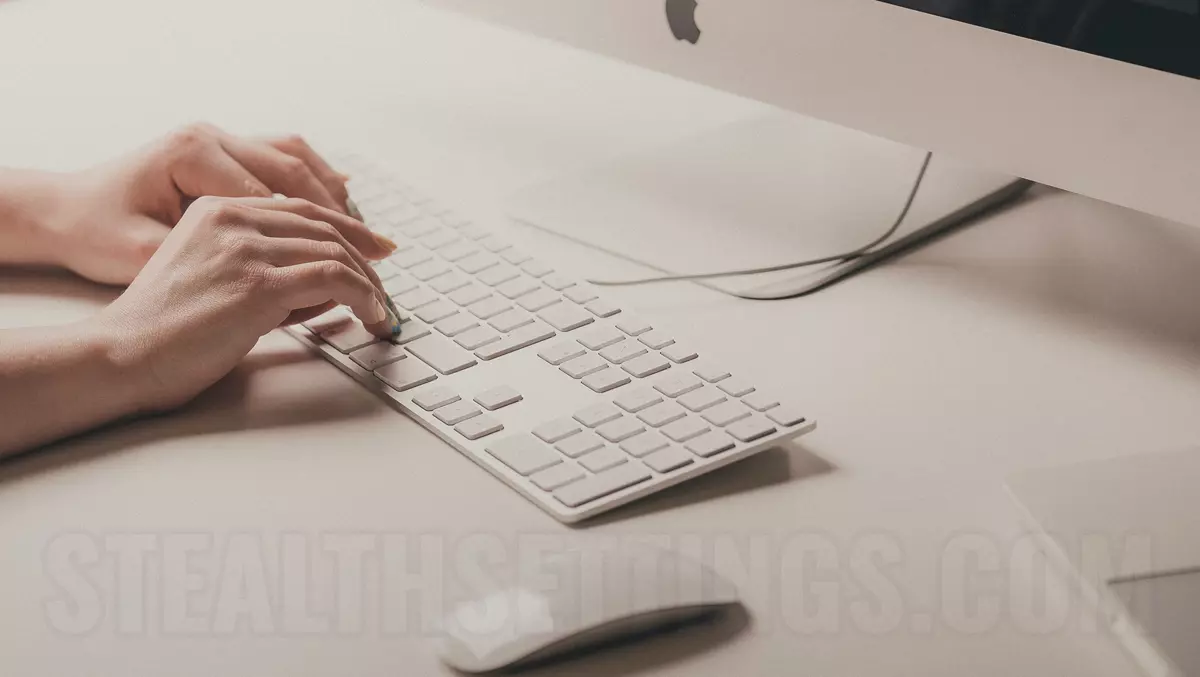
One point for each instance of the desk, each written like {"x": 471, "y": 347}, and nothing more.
{"x": 1061, "y": 330}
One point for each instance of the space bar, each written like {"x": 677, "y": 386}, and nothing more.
{"x": 602, "y": 484}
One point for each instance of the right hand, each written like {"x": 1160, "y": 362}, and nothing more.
{"x": 231, "y": 271}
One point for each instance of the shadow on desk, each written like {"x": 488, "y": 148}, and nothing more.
{"x": 1084, "y": 262}
{"x": 228, "y": 406}
{"x": 789, "y": 462}
{"x": 54, "y": 284}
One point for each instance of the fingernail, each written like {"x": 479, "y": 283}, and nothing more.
{"x": 392, "y": 306}
{"x": 352, "y": 210}
{"x": 378, "y": 313}
{"x": 256, "y": 189}
{"x": 386, "y": 242}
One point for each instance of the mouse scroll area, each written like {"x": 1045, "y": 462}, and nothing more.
{"x": 585, "y": 599}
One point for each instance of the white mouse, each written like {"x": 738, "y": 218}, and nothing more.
{"x": 577, "y": 600}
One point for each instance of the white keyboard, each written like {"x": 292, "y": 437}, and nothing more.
{"x": 574, "y": 402}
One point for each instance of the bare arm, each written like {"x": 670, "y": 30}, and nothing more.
{"x": 204, "y": 284}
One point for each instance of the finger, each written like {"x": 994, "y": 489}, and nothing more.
{"x": 282, "y": 173}
{"x": 306, "y": 314}
{"x": 209, "y": 170}
{"x": 297, "y": 147}
{"x": 313, "y": 284}
{"x": 372, "y": 245}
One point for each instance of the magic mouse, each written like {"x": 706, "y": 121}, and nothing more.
{"x": 577, "y": 600}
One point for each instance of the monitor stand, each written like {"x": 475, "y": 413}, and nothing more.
{"x": 764, "y": 191}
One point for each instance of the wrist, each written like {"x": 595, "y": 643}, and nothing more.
{"x": 125, "y": 370}
{"x": 31, "y": 207}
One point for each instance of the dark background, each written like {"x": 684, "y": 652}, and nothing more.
{"x": 1160, "y": 34}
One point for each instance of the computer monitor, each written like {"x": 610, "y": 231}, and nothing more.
{"x": 1099, "y": 97}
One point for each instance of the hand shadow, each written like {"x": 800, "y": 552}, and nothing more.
{"x": 777, "y": 465}
{"x": 54, "y": 283}
{"x": 227, "y": 406}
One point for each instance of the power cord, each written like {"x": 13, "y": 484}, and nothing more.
{"x": 835, "y": 258}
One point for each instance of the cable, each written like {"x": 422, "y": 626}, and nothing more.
{"x": 836, "y": 258}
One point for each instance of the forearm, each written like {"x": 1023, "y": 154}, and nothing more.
{"x": 59, "y": 381}
{"x": 28, "y": 200}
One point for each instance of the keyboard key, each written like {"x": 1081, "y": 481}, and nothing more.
{"x": 578, "y": 445}
{"x": 498, "y": 398}
{"x": 600, "y": 337}
{"x": 474, "y": 339}
{"x": 637, "y": 399}
{"x": 378, "y": 354}
{"x": 702, "y": 398}
{"x": 457, "y": 324}
{"x": 455, "y": 220}
{"x": 349, "y": 337}
{"x": 750, "y": 429}
{"x": 518, "y": 287}
{"x": 435, "y": 398}
{"x": 515, "y": 256}
{"x": 489, "y": 307}
{"x": 542, "y": 298}
{"x": 428, "y": 270}
{"x": 469, "y": 294}
{"x": 416, "y": 298}
{"x": 457, "y": 412}
{"x": 760, "y": 402}
{"x": 601, "y": 308}
{"x": 685, "y": 429}
{"x": 581, "y": 294}
{"x": 583, "y": 366}
{"x": 524, "y": 337}
{"x": 405, "y": 374}
{"x": 441, "y": 354}
{"x": 497, "y": 275}
{"x": 724, "y": 414}
{"x": 477, "y": 263}
{"x": 678, "y": 354}
{"x": 603, "y": 459}
{"x": 634, "y": 326}
{"x": 598, "y": 414}
{"x": 566, "y": 316}
{"x": 662, "y": 414}
{"x": 711, "y": 374}
{"x": 386, "y": 271}
{"x": 561, "y": 351}
{"x": 448, "y": 282}
{"x": 399, "y": 285}
{"x": 439, "y": 238}
{"x": 557, "y": 429}
{"x": 644, "y": 444}
{"x": 436, "y": 312}
{"x": 620, "y": 429}
{"x": 646, "y": 365}
{"x": 412, "y": 331}
{"x": 474, "y": 232}
{"x": 534, "y": 268}
{"x": 736, "y": 387}
{"x": 677, "y": 384}
{"x": 786, "y": 416}
{"x": 510, "y": 320}
{"x": 479, "y": 426}
{"x": 668, "y": 459}
{"x": 602, "y": 484}
{"x": 606, "y": 380}
{"x": 620, "y": 353}
{"x": 710, "y": 444}
{"x": 421, "y": 227}
{"x": 458, "y": 251}
{"x": 329, "y": 320}
{"x": 494, "y": 244}
{"x": 655, "y": 339}
{"x": 558, "y": 282}
{"x": 557, "y": 476}
{"x": 410, "y": 258}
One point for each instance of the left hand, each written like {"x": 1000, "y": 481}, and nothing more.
{"x": 108, "y": 221}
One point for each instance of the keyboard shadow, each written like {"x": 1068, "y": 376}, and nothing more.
{"x": 785, "y": 463}
{"x": 646, "y": 653}
{"x": 229, "y": 405}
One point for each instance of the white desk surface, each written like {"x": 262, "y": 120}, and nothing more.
{"x": 1061, "y": 330}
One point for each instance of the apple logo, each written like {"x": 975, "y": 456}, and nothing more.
{"x": 681, "y": 15}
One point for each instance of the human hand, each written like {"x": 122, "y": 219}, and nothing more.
{"x": 108, "y": 221}
{"x": 228, "y": 273}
